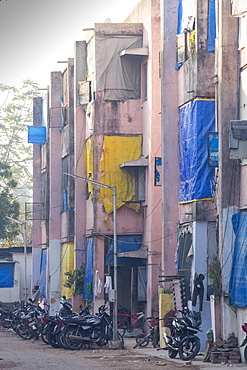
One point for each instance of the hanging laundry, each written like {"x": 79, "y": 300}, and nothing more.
{"x": 108, "y": 284}
{"x": 97, "y": 284}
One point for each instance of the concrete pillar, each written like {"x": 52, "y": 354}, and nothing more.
{"x": 79, "y": 166}
{"x": 169, "y": 116}
{"x": 227, "y": 109}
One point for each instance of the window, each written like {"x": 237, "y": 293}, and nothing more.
{"x": 65, "y": 100}
{"x": 144, "y": 81}
{"x": 140, "y": 179}
{"x": 44, "y": 192}
{"x": 137, "y": 170}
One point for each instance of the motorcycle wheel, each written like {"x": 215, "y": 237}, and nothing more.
{"x": 43, "y": 337}
{"x": 24, "y": 331}
{"x": 51, "y": 338}
{"x": 156, "y": 336}
{"x": 172, "y": 353}
{"x": 245, "y": 354}
{"x": 71, "y": 343}
{"x": 5, "y": 321}
{"x": 61, "y": 341}
{"x": 188, "y": 348}
{"x": 15, "y": 322}
{"x": 141, "y": 340}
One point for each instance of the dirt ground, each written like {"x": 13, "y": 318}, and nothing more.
{"x": 17, "y": 353}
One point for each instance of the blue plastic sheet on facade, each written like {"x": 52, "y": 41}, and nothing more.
{"x": 124, "y": 244}
{"x": 211, "y": 26}
{"x": 213, "y": 148}
{"x": 186, "y": 13}
{"x": 158, "y": 169}
{"x": 238, "y": 277}
{"x": 89, "y": 268}
{"x": 65, "y": 206}
{"x": 6, "y": 275}
{"x": 37, "y": 134}
{"x": 196, "y": 176}
{"x": 42, "y": 282}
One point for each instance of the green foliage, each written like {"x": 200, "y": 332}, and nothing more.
{"x": 214, "y": 274}
{"x": 75, "y": 279}
{"x": 16, "y": 114}
{"x": 9, "y": 206}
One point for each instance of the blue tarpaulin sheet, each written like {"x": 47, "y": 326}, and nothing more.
{"x": 196, "y": 176}
{"x": 211, "y": 26}
{"x": 42, "y": 282}
{"x": 213, "y": 148}
{"x": 186, "y": 13}
{"x": 238, "y": 276}
{"x": 6, "y": 275}
{"x": 37, "y": 134}
{"x": 88, "y": 281}
{"x": 124, "y": 244}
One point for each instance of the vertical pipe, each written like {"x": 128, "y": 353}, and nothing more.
{"x": 25, "y": 259}
{"x": 115, "y": 262}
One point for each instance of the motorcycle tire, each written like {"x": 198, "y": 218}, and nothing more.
{"x": 188, "y": 348}
{"x": 24, "y": 331}
{"x": 61, "y": 341}
{"x": 15, "y": 322}
{"x": 172, "y": 353}
{"x": 5, "y": 321}
{"x": 245, "y": 354}
{"x": 43, "y": 337}
{"x": 71, "y": 343}
{"x": 156, "y": 336}
{"x": 51, "y": 338}
{"x": 141, "y": 340}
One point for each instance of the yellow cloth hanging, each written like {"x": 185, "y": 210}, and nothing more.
{"x": 116, "y": 150}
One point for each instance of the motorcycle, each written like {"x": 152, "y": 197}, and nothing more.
{"x": 97, "y": 329}
{"x": 183, "y": 339}
{"x": 54, "y": 324}
{"x": 244, "y": 327}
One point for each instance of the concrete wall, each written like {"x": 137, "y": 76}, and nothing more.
{"x": 17, "y": 293}
{"x": 55, "y": 192}
{"x": 148, "y": 12}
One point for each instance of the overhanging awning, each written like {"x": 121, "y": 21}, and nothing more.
{"x": 140, "y": 253}
{"x": 138, "y": 52}
{"x": 142, "y": 162}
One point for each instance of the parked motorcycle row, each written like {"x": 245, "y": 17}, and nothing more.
{"x": 67, "y": 329}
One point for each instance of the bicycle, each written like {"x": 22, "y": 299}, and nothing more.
{"x": 127, "y": 322}
{"x": 142, "y": 339}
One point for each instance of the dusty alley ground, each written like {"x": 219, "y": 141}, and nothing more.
{"x": 17, "y": 353}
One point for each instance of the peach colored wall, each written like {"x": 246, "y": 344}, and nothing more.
{"x": 148, "y": 12}
{"x": 55, "y": 169}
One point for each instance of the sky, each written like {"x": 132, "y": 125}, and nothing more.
{"x": 36, "y": 34}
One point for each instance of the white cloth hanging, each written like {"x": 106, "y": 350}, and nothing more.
{"x": 108, "y": 284}
{"x": 97, "y": 284}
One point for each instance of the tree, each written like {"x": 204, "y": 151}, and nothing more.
{"x": 9, "y": 205}
{"x": 16, "y": 115}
